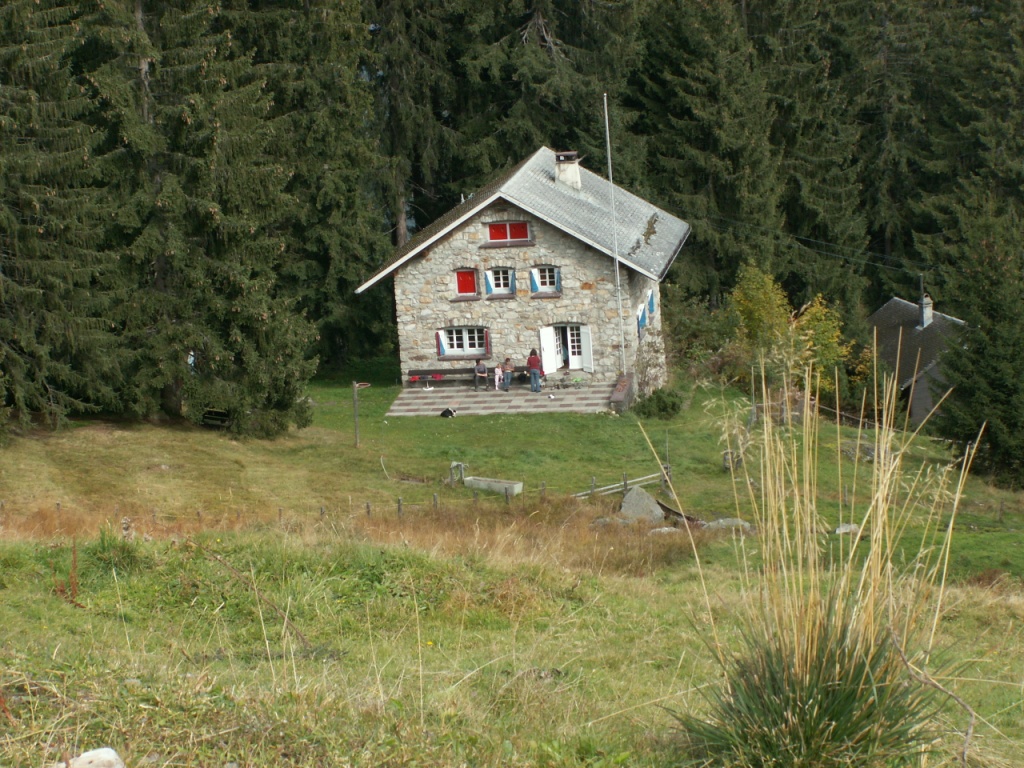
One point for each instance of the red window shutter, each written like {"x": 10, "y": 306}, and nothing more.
{"x": 465, "y": 281}
{"x": 497, "y": 231}
{"x": 487, "y": 342}
{"x": 437, "y": 341}
{"x": 519, "y": 230}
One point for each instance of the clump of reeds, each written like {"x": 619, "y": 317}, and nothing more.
{"x": 833, "y": 657}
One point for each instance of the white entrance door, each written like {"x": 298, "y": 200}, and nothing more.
{"x": 550, "y": 359}
{"x": 586, "y": 351}
{"x": 566, "y": 347}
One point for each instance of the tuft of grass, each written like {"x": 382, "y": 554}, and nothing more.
{"x": 832, "y": 667}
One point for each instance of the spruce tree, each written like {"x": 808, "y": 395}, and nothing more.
{"x": 976, "y": 253}
{"x": 200, "y": 231}
{"x": 410, "y": 69}
{"x": 984, "y": 366}
{"x": 534, "y": 72}
{"x": 890, "y": 81}
{"x": 311, "y": 54}
{"x": 704, "y": 109}
{"x": 56, "y": 355}
{"x": 797, "y": 43}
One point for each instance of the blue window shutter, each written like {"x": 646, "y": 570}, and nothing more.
{"x": 440, "y": 344}
{"x": 650, "y": 302}
{"x": 558, "y": 279}
{"x": 642, "y": 319}
{"x": 488, "y": 282}
{"x": 512, "y": 281}
{"x": 534, "y": 285}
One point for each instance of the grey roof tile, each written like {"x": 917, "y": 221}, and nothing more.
{"x": 903, "y": 345}
{"x": 646, "y": 238}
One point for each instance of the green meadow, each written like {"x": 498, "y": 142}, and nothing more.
{"x": 274, "y": 603}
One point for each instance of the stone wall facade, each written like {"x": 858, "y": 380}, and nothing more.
{"x": 427, "y": 301}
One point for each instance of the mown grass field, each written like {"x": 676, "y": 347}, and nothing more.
{"x": 260, "y": 616}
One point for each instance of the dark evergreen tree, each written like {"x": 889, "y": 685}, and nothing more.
{"x": 976, "y": 255}
{"x": 984, "y": 244}
{"x": 703, "y": 106}
{"x": 411, "y": 71}
{"x": 535, "y": 72}
{"x": 311, "y": 53}
{"x": 894, "y": 89}
{"x": 200, "y": 231}
{"x": 799, "y": 48}
{"x": 56, "y": 353}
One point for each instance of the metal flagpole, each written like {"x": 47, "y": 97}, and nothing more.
{"x": 615, "y": 239}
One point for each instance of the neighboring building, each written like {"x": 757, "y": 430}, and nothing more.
{"x": 911, "y": 339}
{"x": 529, "y": 262}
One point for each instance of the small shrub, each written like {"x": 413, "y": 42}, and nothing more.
{"x": 660, "y": 404}
{"x": 111, "y": 551}
{"x": 836, "y": 694}
{"x": 832, "y": 666}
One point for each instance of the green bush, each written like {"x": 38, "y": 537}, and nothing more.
{"x": 660, "y": 404}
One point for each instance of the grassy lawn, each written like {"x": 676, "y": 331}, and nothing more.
{"x": 261, "y": 616}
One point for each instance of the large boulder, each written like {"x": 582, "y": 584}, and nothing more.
{"x": 639, "y": 505}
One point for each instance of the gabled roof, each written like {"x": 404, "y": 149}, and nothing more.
{"x": 903, "y": 345}
{"x": 646, "y": 238}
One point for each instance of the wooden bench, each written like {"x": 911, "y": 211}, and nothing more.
{"x": 444, "y": 376}
{"x": 216, "y": 418}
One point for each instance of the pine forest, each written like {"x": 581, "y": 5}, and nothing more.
{"x": 191, "y": 190}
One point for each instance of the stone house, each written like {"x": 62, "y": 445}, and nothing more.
{"x": 529, "y": 261}
{"x": 910, "y": 339}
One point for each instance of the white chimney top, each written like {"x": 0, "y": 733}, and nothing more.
{"x": 926, "y": 311}
{"x": 567, "y": 169}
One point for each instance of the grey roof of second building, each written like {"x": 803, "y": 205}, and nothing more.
{"x": 903, "y": 345}
{"x": 646, "y": 238}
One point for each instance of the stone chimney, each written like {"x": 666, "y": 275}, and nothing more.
{"x": 567, "y": 169}
{"x": 926, "y": 311}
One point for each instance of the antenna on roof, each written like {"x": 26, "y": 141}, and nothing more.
{"x": 615, "y": 238}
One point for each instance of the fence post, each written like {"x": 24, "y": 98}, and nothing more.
{"x": 399, "y": 506}
{"x": 368, "y": 509}
{"x": 435, "y": 502}
{"x": 543, "y": 490}
{"x": 476, "y": 497}
{"x": 280, "y": 515}
{"x": 508, "y": 495}
{"x": 593, "y": 485}
{"x": 321, "y": 514}
{"x": 625, "y": 483}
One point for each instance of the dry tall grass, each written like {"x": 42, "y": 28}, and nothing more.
{"x": 838, "y": 634}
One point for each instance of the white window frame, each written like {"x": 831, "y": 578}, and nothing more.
{"x": 546, "y": 279}
{"x": 500, "y": 281}
{"x": 464, "y": 341}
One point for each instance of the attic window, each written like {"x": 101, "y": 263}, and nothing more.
{"x": 508, "y": 232}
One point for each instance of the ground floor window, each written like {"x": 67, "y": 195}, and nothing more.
{"x": 463, "y": 342}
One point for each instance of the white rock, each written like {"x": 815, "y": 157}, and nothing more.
{"x": 847, "y": 528}
{"x": 94, "y": 758}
